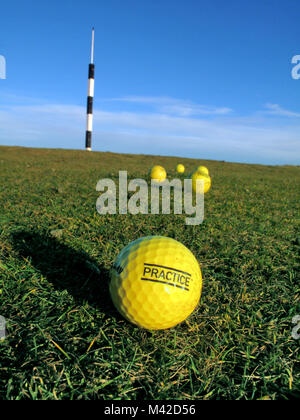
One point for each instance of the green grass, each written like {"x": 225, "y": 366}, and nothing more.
{"x": 64, "y": 338}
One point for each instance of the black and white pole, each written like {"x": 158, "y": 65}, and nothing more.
{"x": 90, "y": 100}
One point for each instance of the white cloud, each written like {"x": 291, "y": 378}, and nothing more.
{"x": 167, "y": 105}
{"x": 256, "y": 139}
{"x": 275, "y": 109}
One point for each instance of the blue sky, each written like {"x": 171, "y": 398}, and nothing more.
{"x": 207, "y": 79}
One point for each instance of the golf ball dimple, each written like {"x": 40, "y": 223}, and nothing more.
{"x": 158, "y": 173}
{"x": 156, "y": 282}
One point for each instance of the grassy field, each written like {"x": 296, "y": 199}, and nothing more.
{"x": 64, "y": 338}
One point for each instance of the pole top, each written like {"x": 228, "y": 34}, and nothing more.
{"x": 92, "y": 48}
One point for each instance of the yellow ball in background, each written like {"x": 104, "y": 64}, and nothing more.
{"x": 180, "y": 168}
{"x": 207, "y": 182}
{"x": 158, "y": 173}
{"x": 203, "y": 170}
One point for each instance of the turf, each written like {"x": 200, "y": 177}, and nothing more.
{"x": 64, "y": 338}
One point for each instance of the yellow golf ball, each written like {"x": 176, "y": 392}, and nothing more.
{"x": 207, "y": 182}
{"x": 203, "y": 170}
{"x": 156, "y": 282}
{"x": 180, "y": 168}
{"x": 158, "y": 173}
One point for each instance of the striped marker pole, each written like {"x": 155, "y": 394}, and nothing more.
{"x": 90, "y": 100}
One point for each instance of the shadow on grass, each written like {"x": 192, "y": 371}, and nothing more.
{"x": 66, "y": 268}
